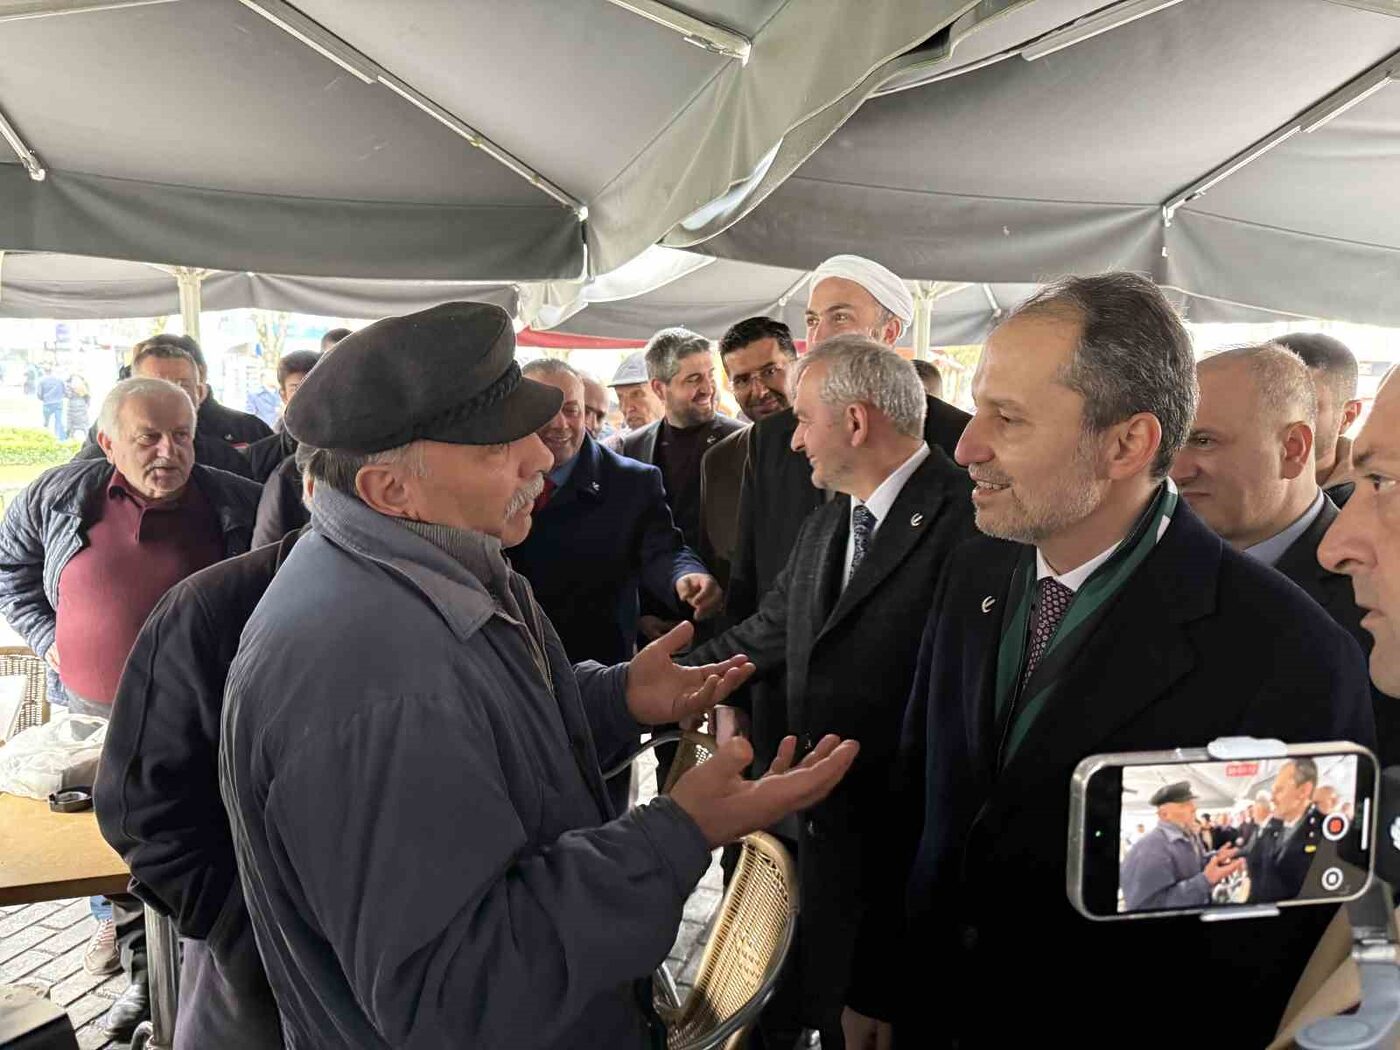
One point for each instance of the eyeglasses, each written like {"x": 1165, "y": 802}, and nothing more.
{"x": 765, "y": 375}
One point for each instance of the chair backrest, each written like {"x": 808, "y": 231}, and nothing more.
{"x": 34, "y": 709}
{"x": 694, "y": 749}
{"x": 739, "y": 967}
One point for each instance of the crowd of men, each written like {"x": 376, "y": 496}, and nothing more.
{"x": 362, "y": 674}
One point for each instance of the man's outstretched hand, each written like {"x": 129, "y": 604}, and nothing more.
{"x": 727, "y": 807}
{"x": 659, "y": 690}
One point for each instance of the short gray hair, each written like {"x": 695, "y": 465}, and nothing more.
{"x": 338, "y": 468}
{"x": 109, "y": 416}
{"x": 1134, "y": 355}
{"x": 550, "y": 366}
{"x": 1285, "y": 384}
{"x": 860, "y": 369}
{"x": 666, "y": 348}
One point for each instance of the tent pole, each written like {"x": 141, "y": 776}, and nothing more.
{"x": 923, "y": 320}
{"x": 188, "y": 280}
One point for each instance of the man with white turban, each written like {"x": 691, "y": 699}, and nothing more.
{"x": 848, "y": 294}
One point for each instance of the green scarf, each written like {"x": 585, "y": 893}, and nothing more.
{"x": 1019, "y": 712}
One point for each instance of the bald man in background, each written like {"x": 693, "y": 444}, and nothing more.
{"x": 1248, "y": 470}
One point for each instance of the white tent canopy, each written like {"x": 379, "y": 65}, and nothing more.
{"x": 420, "y": 139}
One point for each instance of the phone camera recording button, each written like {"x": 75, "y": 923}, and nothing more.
{"x": 1335, "y": 827}
{"x": 1332, "y": 879}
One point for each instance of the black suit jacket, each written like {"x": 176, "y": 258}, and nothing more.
{"x": 640, "y": 444}
{"x": 849, "y": 657}
{"x": 238, "y": 429}
{"x": 1201, "y": 642}
{"x": 721, "y": 475}
{"x": 777, "y": 494}
{"x": 604, "y": 530}
{"x": 158, "y": 802}
{"x": 1333, "y": 591}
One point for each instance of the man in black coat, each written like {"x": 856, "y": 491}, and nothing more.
{"x": 849, "y": 295}
{"x": 1247, "y": 469}
{"x": 681, "y": 371}
{"x": 169, "y": 358}
{"x": 1116, "y": 621}
{"x": 601, "y": 527}
{"x": 158, "y": 803}
{"x": 852, "y": 598}
{"x": 266, "y": 454}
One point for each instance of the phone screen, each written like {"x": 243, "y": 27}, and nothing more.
{"x": 1200, "y": 836}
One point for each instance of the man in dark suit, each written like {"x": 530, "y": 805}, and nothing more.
{"x": 849, "y": 295}
{"x": 755, "y": 354}
{"x": 681, "y": 371}
{"x": 1247, "y": 470}
{"x": 1115, "y": 620}
{"x": 1285, "y": 848}
{"x": 1335, "y": 373}
{"x": 852, "y": 598}
{"x": 600, "y": 527}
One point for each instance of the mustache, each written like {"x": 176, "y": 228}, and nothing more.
{"x": 162, "y": 463}
{"x": 525, "y": 496}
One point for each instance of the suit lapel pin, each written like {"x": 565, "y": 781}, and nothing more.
{"x": 593, "y": 485}
{"x": 987, "y": 603}
{"x": 916, "y": 520}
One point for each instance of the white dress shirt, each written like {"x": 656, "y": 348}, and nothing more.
{"x": 1074, "y": 579}
{"x": 880, "y": 503}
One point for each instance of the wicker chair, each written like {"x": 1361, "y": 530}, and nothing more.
{"x": 20, "y": 660}
{"x": 739, "y": 967}
{"x": 751, "y": 933}
{"x": 695, "y": 749}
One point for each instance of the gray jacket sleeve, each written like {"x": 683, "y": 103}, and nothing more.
{"x": 1149, "y": 879}
{"x": 23, "y": 602}
{"x": 411, "y": 859}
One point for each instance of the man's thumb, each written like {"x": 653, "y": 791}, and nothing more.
{"x": 734, "y": 755}
{"x": 677, "y": 638}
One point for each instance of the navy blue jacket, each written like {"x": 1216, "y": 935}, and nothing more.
{"x": 604, "y": 529}
{"x": 1200, "y": 643}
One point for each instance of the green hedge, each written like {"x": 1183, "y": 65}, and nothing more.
{"x": 30, "y": 446}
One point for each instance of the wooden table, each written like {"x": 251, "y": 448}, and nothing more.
{"x": 47, "y": 856}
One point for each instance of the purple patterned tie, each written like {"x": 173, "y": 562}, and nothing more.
{"x": 1051, "y": 603}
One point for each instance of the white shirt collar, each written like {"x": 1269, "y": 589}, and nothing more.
{"x": 881, "y": 501}
{"x": 1074, "y": 579}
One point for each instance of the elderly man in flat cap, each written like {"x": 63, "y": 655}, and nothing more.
{"x": 424, "y": 841}
{"x": 1169, "y": 868}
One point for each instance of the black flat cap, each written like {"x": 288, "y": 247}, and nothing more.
{"x": 1178, "y": 792}
{"x": 443, "y": 374}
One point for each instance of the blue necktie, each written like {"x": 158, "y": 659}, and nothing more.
{"x": 862, "y": 525}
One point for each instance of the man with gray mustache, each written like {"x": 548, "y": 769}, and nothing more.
{"x": 424, "y": 841}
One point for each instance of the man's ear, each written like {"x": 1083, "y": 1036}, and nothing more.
{"x": 659, "y": 389}
{"x": 203, "y": 394}
{"x": 1297, "y": 450}
{"x": 105, "y": 444}
{"x": 1135, "y": 446}
{"x": 1351, "y": 411}
{"x": 380, "y": 489}
{"x": 891, "y": 330}
{"x": 857, "y": 420}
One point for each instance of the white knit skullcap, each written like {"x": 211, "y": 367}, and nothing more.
{"x": 886, "y": 288}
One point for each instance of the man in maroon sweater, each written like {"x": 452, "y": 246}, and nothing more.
{"x": 87, "y": 550}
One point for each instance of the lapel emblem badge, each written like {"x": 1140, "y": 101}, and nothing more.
{"x": 987, "y": 603}
{"x": 916, "y": 520}
{"x": 593, "y": 485}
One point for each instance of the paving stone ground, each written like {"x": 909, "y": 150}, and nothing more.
{"x": 41, "y": 947}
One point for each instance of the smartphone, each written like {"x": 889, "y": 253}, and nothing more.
{"x": 1156, "y": 833}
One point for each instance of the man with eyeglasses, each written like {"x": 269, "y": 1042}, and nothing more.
{"x": 755, "y": 354}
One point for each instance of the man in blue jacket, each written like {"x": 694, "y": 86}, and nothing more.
{"x": 427, "y": 853}
{"x": 601, "y": 526}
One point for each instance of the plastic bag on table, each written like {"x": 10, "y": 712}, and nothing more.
{"x": 59, "y": 754}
